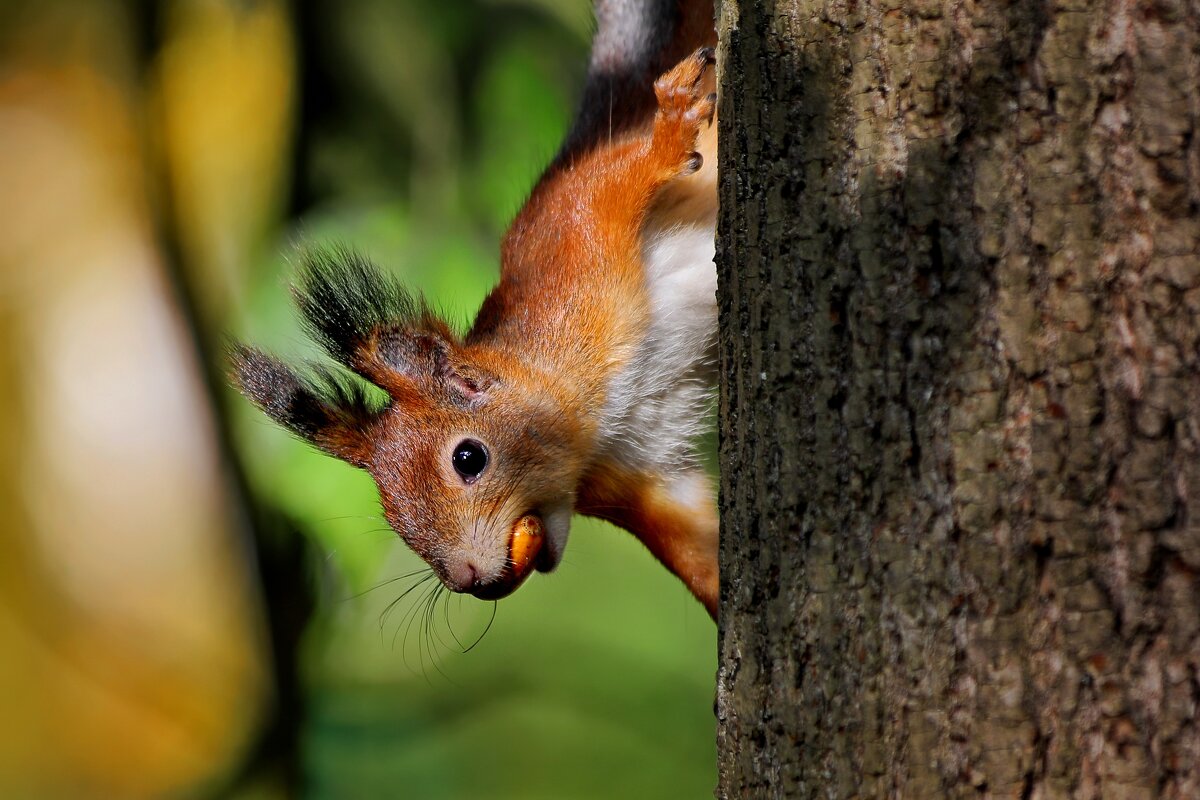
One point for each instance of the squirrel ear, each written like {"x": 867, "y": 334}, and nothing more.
{"x": 329, "y": 412}
{"x": 376, "y": 328}
{"x": 367, "y": 321}
{"x": 412, "y": 353}
{"x": 467, "y": 384}
{"x": 431, "y": 355}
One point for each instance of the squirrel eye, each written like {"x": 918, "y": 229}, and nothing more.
{"x": 469, "y": 459}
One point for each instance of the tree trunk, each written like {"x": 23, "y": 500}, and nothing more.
{"x": 959, "y": 258}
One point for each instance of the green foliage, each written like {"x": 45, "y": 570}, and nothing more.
{"x": 522, "y": 112}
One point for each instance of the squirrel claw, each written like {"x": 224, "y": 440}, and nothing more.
{"x": 678, "y": 87}
{"x": 681, "y": 110}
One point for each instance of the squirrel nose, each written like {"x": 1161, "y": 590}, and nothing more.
{"x": 463, "y": 576}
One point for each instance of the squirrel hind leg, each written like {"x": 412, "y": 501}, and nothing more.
{"x": 683, "y": 107}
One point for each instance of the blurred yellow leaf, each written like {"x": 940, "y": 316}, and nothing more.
{"x": 224, "y": 95}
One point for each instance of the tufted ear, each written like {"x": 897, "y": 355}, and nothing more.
{"x": 331, "y": 413}
{"x": 369, "y": 322}
{"x": 376, "y": 328}
{"x": 433, "y": 359}
{"x": 416, "y": 354}
{"x": 466, "y": 384}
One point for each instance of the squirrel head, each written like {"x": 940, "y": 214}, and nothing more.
{"x": 473, "y": 453}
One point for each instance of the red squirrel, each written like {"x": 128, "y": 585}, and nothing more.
{"x": 587, "y": 374}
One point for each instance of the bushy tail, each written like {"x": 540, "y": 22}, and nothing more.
{"x": 635, "y": 42}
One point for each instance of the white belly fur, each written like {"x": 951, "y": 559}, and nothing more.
{"x": 661, "y": 400}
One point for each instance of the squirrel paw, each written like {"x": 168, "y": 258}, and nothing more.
{"x": 681, "y": 110}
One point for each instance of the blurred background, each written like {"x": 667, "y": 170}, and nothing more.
{"x": 193, "y": 604}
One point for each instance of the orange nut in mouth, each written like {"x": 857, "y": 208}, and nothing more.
{"x": 525, "y": 542}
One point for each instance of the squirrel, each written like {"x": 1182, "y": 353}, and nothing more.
{"x": 586, "y": 376}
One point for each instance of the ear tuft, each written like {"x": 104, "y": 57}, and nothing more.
{"x": 365, "y": 320}
{"x": 345, "y": 299}
{"x": 329, "y": 410}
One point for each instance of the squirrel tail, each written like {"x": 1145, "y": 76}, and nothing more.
{"x": 636, "y": 41}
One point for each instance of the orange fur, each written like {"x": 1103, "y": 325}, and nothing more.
{"x": 572, "y": 289}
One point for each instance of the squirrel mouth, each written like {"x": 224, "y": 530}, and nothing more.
{"x": 547, "y": 558}
{"x": 526, "y": 552}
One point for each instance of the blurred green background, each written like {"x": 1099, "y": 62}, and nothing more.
{"x": 192, "y": 604}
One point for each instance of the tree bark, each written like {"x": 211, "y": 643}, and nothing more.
{"x": 959, "y": 260}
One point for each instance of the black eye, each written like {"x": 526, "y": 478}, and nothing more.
{"x": 469, "y": 459}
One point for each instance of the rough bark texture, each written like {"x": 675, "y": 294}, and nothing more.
{"x": 959, "y": 255}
